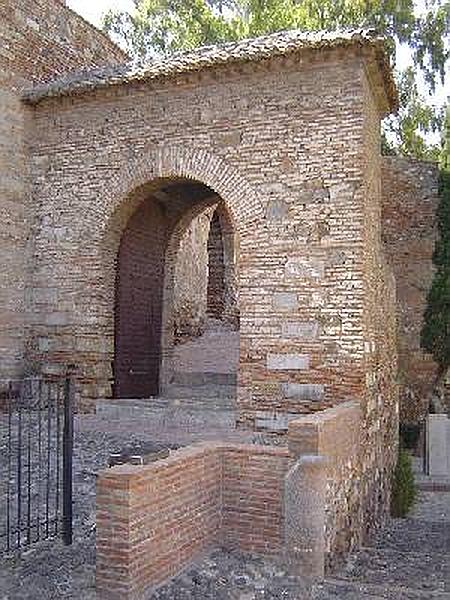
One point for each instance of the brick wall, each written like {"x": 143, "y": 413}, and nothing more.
{"x": 153, "y": 521}
{"x": 289, "y": 184}
{"x": 40, "y": 40}
{"x": 252, "y": 498}
{"x": 44, "y": 39}
{"x": 410, "y": 199}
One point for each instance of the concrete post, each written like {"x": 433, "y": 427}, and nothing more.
{"x": 438, "y": 445}
{"x": 304, "y": 503}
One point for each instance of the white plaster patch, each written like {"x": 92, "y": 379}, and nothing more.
{"x": 285, "y": 301}
{"x": 306, "y": 330}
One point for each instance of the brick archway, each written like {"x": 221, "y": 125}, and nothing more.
{"x": 142, "y": 176}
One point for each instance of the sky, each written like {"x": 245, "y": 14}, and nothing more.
{"x": 92, "y": 10}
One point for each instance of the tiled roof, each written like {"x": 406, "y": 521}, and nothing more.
{"x": 256, "y": 49}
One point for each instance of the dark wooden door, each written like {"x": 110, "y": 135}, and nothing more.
{"x": 139, "y": 298}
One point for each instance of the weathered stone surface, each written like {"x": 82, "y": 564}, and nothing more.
{"x": 304, "y": 268}
{"x": 303, "y": 391}
{"x": 304, "y": 330}
{"x": 304, "y": 510}
{"x": 287, "y": 362}
{"x": 276, "y": 210}
{"x": 285, "y": 301}
{"x": 273, "y": 421}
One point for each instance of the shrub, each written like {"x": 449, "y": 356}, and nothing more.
{"x": 403, "y": 486}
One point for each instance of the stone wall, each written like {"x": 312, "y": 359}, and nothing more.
{"x": 289, "y": 183}
{"x": 40, "y": 39}
{"x": 191, "y": 278}
{"x": 15, "y": 120}
{"x": 410, "y": 199}
{"x": 44, "y": 39}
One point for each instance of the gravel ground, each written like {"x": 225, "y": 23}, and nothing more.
{"x": 408, "y": 560}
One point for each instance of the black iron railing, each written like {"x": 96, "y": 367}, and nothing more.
{"x": 36, "y": 422}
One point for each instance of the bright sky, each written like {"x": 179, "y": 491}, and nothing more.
{"x": 92, "y": 10}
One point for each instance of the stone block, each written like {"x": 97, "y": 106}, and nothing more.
{"x": 303, "y": 391}
{"x": 300, "y": 329}
{"x": 438, "y": 447}
{"x": 57, "y": 318}
{"x": 286, "y": 301}
{"x": 232, "y": 138}
{"x": 276, "y": 210}
{"x": 273, "y": 421}
{"x": 304, "y": 268}
{"x": 304, "y": 510}
{"x": 287, "y": 362}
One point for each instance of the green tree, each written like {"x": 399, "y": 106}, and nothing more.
{"x": 161, "y": 27}
{"x": 435, "y": 335}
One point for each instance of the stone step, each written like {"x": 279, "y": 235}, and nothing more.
{"x": 156, "y": 406}
{"x": 204, "y": 378}
{"x": 210, "y": 390}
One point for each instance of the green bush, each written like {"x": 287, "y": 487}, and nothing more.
{"x": 403, "y": 486}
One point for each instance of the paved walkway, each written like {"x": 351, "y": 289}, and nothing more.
{"x": 409, "y": 559}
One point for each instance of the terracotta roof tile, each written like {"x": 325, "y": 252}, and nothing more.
{"x": 255, "y": 49}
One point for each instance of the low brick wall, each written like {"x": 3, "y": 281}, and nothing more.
{"x": 154, "y": 520}
{"x": 252, "y": 497}
{"x": 304, "y": 502}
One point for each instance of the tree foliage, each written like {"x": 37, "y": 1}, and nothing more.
{"x": 161, "y": 27}
{"x": 435, "y": 335}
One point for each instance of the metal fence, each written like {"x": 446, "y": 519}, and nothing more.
{"x": 36, "y": 433}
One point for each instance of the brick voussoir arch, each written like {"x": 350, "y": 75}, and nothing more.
{"x": 168, "y": 162}
{"x": 124, "y": 191}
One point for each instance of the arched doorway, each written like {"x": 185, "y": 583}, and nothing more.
{"x": 150, "y": 246}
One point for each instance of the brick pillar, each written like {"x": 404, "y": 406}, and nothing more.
{"x": 304, "y": 510}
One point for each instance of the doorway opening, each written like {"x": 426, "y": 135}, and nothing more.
{"x": 176, "y": 291}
